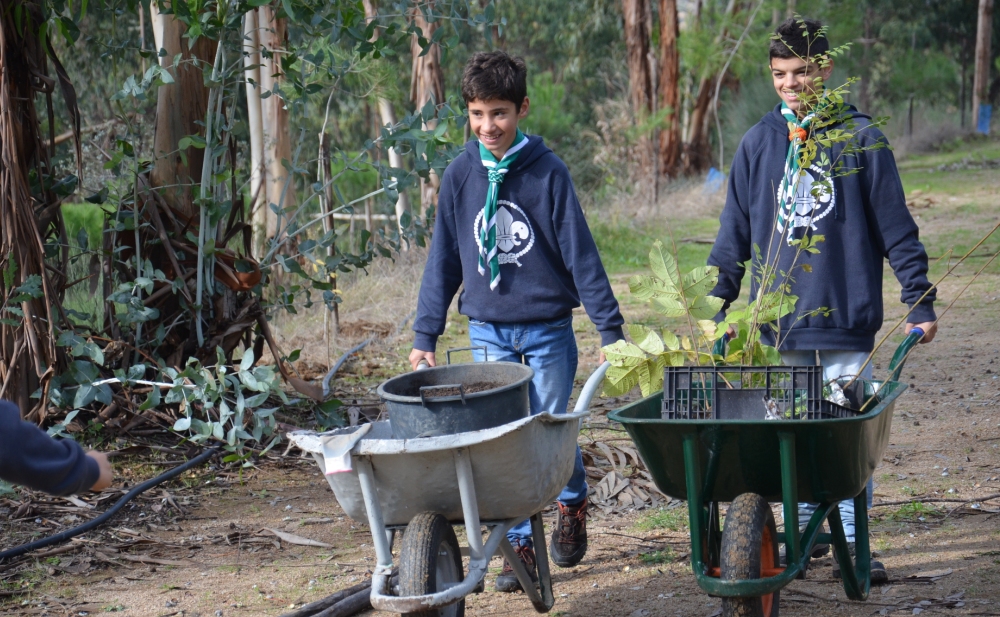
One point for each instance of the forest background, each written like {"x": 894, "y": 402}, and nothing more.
{"x": 217, "y": 166}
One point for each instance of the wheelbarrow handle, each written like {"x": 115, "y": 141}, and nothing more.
{"x": 899, "y": 358}
{"x": 486, "y": 354}
{"x": 590, "y": 388}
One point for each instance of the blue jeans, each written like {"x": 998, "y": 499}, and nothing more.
{"x": 549, "y": 348}
{"x": 835, "y": 364}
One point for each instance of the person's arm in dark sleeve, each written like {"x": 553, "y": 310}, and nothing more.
{"x": 28, "y": 456}
{"x": 579, "y": 253}
{"x": 896, "y": 230}
{"x": 733, "y": 246}
{"x": 442, "y": 274}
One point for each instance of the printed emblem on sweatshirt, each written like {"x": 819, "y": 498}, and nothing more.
{"x": 515, "y": 237}
{"x": 809, "y": 199}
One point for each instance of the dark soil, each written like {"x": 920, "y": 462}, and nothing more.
{"x": 440, "y": 392}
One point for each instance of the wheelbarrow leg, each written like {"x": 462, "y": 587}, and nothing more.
{"x": 383, "y": 547}
{"x": 542, "y": 561}
{"x": 527, "y": 585}
{"x": 855, "y": 573}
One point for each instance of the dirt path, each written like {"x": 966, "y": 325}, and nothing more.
{"x": 202, "y": 546}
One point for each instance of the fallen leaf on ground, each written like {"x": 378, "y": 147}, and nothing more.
{"x": 291, "y": 538}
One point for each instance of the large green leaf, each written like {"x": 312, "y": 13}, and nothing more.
{"x": 619, "y": 380}
{"x": 645, "y": 287}
{"x": 624, "y": 354}
{"x": 671, "y": 341}
{"x": 700, "y": 281}
{"x": 646, "y": 339}
{"x": 705, "y": 307}
{"x": 664, "y": 266}
{"x": 669, "y": 306}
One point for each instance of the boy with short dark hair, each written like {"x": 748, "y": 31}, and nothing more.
{"x": 510, "y": 230}
{"x": 58, "y": 466}
{"x": 859, "y": 208}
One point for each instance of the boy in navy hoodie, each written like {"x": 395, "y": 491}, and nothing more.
{"x": 58, "y": 466}
{"x": 860, "y": 209}
{"x": 510, "y": 230}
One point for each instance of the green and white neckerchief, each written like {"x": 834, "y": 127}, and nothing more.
{"x": 488, "y": 232}
{"x": 798, "y": 133}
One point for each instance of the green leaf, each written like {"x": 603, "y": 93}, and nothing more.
{"x": 645, "y": 338}
{"x": 700, "y": 281}
{"x": 705, "y": 307}
{"x": 669, "y": 306}
{"x": 671, "y": 341}
{"x": 645, "y": 287}
{"x": 247, "y": 360}
{"x": 619, "y": 380}
{"x": 664, "y": 266}
{"x": 621, "y": 353}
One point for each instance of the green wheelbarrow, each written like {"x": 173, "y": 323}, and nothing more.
{"x": 750, "y": 463}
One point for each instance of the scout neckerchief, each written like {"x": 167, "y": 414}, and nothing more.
{"x": 798, "y": 132}
{"x": 488, "y": 232}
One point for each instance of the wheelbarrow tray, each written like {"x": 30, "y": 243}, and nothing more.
{"x": 518, "y": 469}
{"x": 835, "y": 457}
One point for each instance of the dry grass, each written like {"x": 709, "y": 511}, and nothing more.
{"x": 374, "y": 303}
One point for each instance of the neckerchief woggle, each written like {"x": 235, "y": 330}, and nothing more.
{"x": 495, "y": 170}
{"x": 798, "y": 133}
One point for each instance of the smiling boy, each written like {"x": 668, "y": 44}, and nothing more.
{"x": 858, "y": 208}
{"x": 510, "y": 232}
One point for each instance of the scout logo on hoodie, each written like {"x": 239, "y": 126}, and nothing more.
{"x": 515, "y": 236}
{"x": 809, "y": 198}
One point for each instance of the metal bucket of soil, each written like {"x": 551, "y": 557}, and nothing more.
{"x": 456, "y": 398}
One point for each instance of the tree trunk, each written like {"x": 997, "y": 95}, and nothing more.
{"x": 790, "y": 9}
{"x": 981, "y": 76}
{"x": 388, "y": 116}
{"x": 426, "y": 83}
{"x": 180, "y": 111}
{"x": 669, "y": 87}
{"x": 258, "y": 195}
{"x": 864, "y": 100}
{"x": 279, "y": 186}
{"x": 697, "y": 155}
{"x": 639, "y": 75}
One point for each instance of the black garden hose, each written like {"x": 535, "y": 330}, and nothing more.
{"x": 62, "y": 536}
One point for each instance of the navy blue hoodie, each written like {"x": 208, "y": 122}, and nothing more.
{"x": 864, "y": 222}
{"x": 548, "y": 260}
{"x": 30, "y": 457}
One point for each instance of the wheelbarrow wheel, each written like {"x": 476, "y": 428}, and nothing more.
{"x": 430, "y": 561}
{"x": 749, "y": 547}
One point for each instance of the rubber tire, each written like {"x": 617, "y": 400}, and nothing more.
{"x": 749, "y": 542}
{"x": 430, "y": 550}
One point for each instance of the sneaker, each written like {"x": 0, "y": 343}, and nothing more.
{"x": 878, "y": 573}
{"x": 507, "y": 580}
{"x": 569, "y": 538}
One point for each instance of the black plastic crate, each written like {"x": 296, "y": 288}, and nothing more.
{"x": 738, "y": 393}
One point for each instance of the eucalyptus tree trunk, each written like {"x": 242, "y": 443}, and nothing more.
{"x": 697, "y": 149}
{"x": 278, "y": 185}
{"x": 388, "y": 115}
{"x": 981, "y": 76}
{"x": 31, "y": 291}
{"x": 180, "y": 111}
{"x": 258, "y": 196}
{"x": 669, "y": 89}
{"x": 635, "y": 13}
{"x": 426, "y": 84}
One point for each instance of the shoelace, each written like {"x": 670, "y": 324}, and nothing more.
{"x": 571, "y": 522}
{"x": 526, "y": 555}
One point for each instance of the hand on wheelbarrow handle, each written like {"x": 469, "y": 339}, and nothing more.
{"x": 899, "y": 358}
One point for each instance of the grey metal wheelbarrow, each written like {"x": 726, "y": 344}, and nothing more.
{"x": 494, "y": 477}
